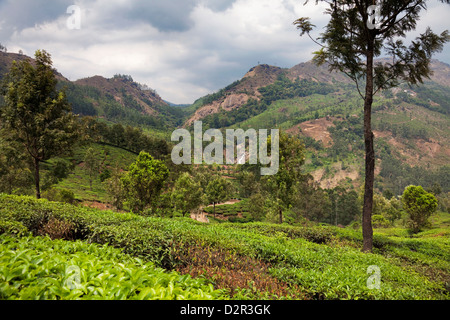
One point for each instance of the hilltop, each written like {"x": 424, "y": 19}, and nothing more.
{"x": 118, "y": 100}
{"x": 7, "y": 58}
{"x": 123, "y": 88}
{"x": 240, "y": 92}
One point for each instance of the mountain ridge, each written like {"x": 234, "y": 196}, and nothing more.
{"x": 410, "y": 123}
{"x": 115, "y": 86}
{"x": 235, "y": 96}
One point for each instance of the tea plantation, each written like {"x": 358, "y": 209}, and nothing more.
{"x": 52, "y": 250}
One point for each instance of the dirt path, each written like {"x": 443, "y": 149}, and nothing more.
{"x": 200, "y": 216}
{"x": 228, "y": 202}
{"x": 203, "y": 216}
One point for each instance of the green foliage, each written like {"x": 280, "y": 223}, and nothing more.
{"x": 419, "y": 204}
{"x": 379, "y": 221}
{"x": 42, "y": 269}
{"x": 60, "y": 195}
{"x": 55, "y": 170}
{"x": 256, "y": 207}
{"x": 187, "y": 194}
{"x": 77, "y": 96}
{"x": 283, "y": 88}
{"x": 129, "y": 138}
{"x": 431, "y": 96}
{"x": 350, "y": 43}
{"x": 15, "y": 174}
{"x": 91, "y": 165}
{"x": 12, "y": 228}
{"x": 346, "y": 134}
{"x": 344, "y": 207}
{"x": 90, "y": 101}
{"x": 232, "y": 210}
{"x": 217, "y": 95}
{"x": 281, "y": 188}
{"x": 115, "y": 189}
{"x": 144, "y": 181}
{"x": 314, "y": 262}
{"x": 36, "y": 114}
{"x": 218, "y": 190}
{"x": 248, "y": 183}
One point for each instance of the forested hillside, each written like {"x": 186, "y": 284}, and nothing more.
{"x": 293, "y": 235}
{"x": 324, "y": 109}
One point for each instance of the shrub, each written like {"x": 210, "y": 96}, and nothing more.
{"x": 320, "y": 262}
{"x": 60, "y": 195}
{"x": 57, "y": 229}
{"x": 12, "y": 228}
{"x": 380, "y": 221}
{"x": 419, "y": 204}
{"x": 40, "y": 268}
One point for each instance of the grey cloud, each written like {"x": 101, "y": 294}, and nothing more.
{"x": 162, "y": 14}
{"x": 165, "y": 15}
{"x": 21, "y": 14}
{"x": 175, "y": 46}
{"x": 219, "y": 5}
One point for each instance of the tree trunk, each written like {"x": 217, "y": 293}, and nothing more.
{"x": 214, "y": 209}
{"x": 370, "y": 156}
{"x": 37, "y": 178}
{"x": 281, "y": 215}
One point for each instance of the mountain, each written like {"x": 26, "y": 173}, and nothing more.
{"x": 123, "y": 89}
{"x": 411, "y": 124}
{"x": 119, "y": 99}
{"x": 7, "y": 58}
{"x": 240, "y": 92}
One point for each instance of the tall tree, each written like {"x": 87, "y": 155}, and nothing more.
{"x": 282, "y": 188}
{"x": 218, "y": 190}
{"x": 91, "y": 164}
{"x": 37, "y": 115}
{"x": 15, "y": 175}
{"x": 187, "y": 194}
{"x": 359, "y": 31}
{"x": 143, "y": 182}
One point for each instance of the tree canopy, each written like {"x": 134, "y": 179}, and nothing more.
{"x": 36, "y": 114}
{"x": 359, "y": 31}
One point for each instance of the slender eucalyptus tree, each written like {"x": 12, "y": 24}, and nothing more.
{"x": 359, "y": 31}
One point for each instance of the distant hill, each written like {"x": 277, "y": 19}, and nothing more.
{"x": 119, "y": 99}
{"x": 7, "y": 58}
{"x": 124, "y": 90}
{"x": 411, "y": 124}
{"x": 240, "y": 92}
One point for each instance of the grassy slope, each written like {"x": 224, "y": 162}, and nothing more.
{"x": 256, "y": 260}
{"x": 78, "y": 179}
{"x": 388, "y": 116}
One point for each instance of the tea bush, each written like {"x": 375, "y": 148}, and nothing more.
{"x": 315, "y": 262}
{"x": 40, "y": 268}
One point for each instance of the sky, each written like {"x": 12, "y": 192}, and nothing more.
{"x": 184, "y": 49}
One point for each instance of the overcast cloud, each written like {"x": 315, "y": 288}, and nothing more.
{"x": 182, "y": 48}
